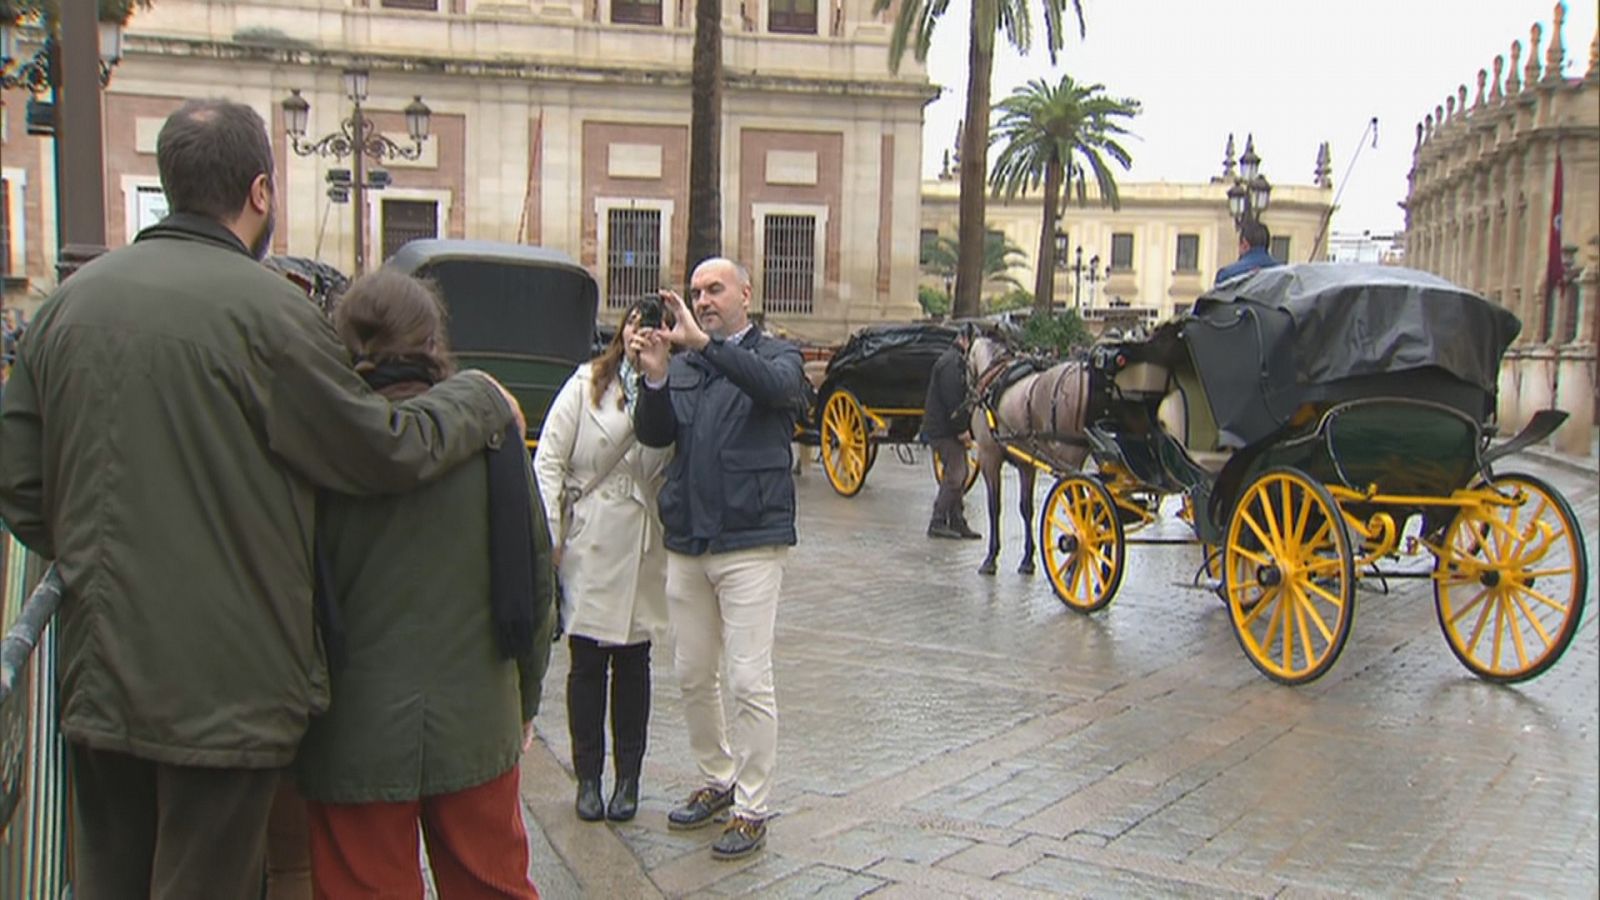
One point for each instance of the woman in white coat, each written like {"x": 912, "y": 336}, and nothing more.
{"x": 612, "y": 563}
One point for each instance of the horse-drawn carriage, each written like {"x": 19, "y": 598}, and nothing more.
{"x": 525, "y": 315}
{"x": 1316, "y": 420}
{"x": 871, "y": 394}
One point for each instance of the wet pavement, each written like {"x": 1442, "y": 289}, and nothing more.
{"x": 948, "y": 734}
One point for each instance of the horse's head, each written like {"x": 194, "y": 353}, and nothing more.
{"x": 982, "y": 352}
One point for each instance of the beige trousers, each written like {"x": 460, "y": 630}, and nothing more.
{"x": 724, "y": 607}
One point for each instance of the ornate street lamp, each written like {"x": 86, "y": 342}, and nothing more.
{"x": 62, "y": 68}
{"x": 358, "y": 138}
{"x": 36, "y": 73}
{"x": 1249, "y": 192}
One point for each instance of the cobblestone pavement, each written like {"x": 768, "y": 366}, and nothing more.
{"x": 946, "y": 734}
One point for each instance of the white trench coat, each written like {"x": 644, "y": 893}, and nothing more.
{"x": 614, "y": 566}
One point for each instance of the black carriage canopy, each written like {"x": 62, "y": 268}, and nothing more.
{"x": 888, "y": 365}
{"x": 508, "y": 298}
{"x": 1328, "y": 332}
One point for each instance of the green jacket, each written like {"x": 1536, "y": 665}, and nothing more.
{"x": 424, "y": 704}
{"x": 172, "y": 410}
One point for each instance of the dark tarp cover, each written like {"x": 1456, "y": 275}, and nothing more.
{"x": 508, "y": 298}
{"x": 1360, "y": 319}
{"x": 888, "y": 365}
{"x": 1326, "y": 332}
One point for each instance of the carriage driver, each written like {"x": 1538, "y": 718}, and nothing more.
{"x": 946, "y": 417}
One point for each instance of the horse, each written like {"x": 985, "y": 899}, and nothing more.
{"x": 1042, "y": 413}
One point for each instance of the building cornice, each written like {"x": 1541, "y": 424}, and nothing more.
{"x": 137, "y": 46}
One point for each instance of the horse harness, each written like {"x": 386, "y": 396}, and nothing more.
{"x": 1006, "y": 372}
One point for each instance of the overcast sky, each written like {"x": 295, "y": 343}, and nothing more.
{"x": 1294, "y": 72}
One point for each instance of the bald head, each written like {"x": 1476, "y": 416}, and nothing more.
{"x": 719, "y": 291}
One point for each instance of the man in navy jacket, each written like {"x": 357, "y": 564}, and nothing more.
{"x": 727, "y": 405}
{"x": 1254, "y": 238}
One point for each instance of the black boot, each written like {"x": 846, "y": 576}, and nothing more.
{"x": 958, "y": 524}
{"x": 624, "y": 800}
{"x": 589, "y": 806}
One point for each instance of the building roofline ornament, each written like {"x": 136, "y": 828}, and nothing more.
{"x": 1555, "y": 57}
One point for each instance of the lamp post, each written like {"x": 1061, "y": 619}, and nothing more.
{"x": 1079, "y": 270}
{"x": 1077, "y": 279}
{"x": 358, "y": 138}
{"x": 77, "y": 51}
{"x": 1250, "y": 192}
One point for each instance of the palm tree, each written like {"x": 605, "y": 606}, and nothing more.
{"x": 705, "y": 137}
{"x": 914, "y": 24}
{"x": 1053, "y": 133}
{"x": 1000, "y": 256}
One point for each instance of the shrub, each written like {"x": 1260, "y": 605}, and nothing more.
{"x": 1056, "y": 333}
{"x": 934, "y": 301}
{"x": 1017, "y": 298}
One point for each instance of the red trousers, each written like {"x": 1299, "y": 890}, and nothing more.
{"x": 476, "y": 846}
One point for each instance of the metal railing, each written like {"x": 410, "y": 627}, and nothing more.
{"x": 33, "y": 765}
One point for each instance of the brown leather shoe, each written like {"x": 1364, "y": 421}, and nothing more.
{"x": 741, "y": 838}
{"x": 700, "y": 809}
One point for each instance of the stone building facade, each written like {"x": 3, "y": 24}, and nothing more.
{"x": 1156, "y": 254}
{"x": 563, "y": 123}
{"x": 1479, "y": 214}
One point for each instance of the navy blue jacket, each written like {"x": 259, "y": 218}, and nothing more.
{"x": 729, "y": 410}
{"x": 1257, "y": 258}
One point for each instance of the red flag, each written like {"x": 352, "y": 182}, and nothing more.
{"x": 1553, "y": 271}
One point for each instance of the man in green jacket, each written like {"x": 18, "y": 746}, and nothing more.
{"x": 171, "y": 415}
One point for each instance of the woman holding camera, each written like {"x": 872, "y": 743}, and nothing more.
{"x": 599, "y": 486}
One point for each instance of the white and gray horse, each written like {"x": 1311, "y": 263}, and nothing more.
{"x": 1041, "y": 414}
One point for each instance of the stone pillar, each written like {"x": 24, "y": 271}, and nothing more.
{"x": 1536, "y": 381}
{"x": 1509, "y": 407}
{"x": 1575, "y": 393}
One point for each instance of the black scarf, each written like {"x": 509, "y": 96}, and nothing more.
{"x": 399, "y": 370}
{"x": 511, "y": 552}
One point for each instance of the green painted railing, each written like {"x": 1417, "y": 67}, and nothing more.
{"x": 33, "y": 766}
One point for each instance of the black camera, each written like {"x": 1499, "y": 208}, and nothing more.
{"x": 652, "y": 314}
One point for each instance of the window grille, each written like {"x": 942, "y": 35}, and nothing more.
{"x": 636, "y": 12}
{"x": 1121, "y": 252}
{"x": 633, "y": 255}
{"x": 1279, "y": 249}
{"x": 405, "y": 221}
{"x": 1188, "y": 253}
{"x": 792, "y": 17}
{"x": 789, "y": 264}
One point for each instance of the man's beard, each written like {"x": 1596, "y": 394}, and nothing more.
{"x": 263, "y": 242}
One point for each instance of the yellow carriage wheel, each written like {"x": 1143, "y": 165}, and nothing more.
{"x": 1509, "y": 581}
{"x": 847, "y": 453}
{"x": 972, "y": 468}
{"x": 1082, "y": 543}
{"x": 1289, "y": 576}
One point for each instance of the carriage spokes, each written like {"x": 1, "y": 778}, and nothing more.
{"x": 1290, "y": 576}
{"x": 1509, "y": 581}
